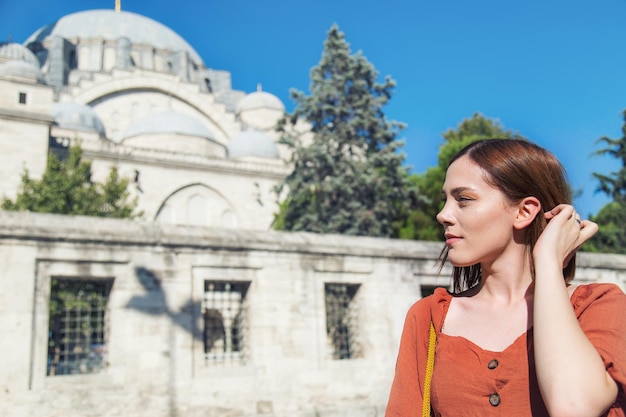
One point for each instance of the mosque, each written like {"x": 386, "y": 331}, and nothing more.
{"x": 199, "y": 308}
{"x": 135, "y": 95}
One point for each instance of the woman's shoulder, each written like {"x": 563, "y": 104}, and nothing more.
{"x": 587, "y": 294}
{"x": 439, "y": 296}
{"x": 432, "y": 306}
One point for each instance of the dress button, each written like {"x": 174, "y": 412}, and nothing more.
{"x": 494, "y": 399}
{"x": 493, "y": 364}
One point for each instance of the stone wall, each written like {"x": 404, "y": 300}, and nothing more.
{"x": 155, "y": 361}
{"x": 24, "y": 132}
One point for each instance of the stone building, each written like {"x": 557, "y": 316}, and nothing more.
{"x": 135, "y": 95}
{"x": 199, "y": 308}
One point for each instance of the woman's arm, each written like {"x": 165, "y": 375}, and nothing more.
{"x": 570, "y": 372}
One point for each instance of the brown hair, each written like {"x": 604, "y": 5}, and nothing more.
{"x": 519, "y": 169}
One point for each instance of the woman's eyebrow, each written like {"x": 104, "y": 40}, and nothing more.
{"x": 457, "y": 190}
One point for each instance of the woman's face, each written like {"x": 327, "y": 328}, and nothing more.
{"x": 477, "y": 218}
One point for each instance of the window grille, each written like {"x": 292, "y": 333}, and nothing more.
{"x": 22, "y": 98}
{"x": 342, "y": 320}
{"x": 78, "y": 326}
{"x": 225, "y": 322}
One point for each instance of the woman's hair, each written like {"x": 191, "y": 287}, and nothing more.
{"x": 519, "y": 169}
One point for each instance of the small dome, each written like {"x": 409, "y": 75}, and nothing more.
{"x": 17, "y": 52}
{"x": 168, "y": 122}
{"x": 112, "y": 25}
{"x": 260, "y": 100}
{"x": 77, "y": 116}
{"x": 252, "y": 143}
{"x": 21, "y": 70}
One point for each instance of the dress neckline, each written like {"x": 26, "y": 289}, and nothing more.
{"x": 479, "y": 349}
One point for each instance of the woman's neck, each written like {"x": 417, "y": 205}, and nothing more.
{"x": 506, "y": 281}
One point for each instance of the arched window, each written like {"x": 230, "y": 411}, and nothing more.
{"x": 198, "y": 210}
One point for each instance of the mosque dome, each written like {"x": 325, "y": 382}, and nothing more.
{"x": 252, "y": 143}
{"x": 21, "y": 70}
{"x": 18, "y": 62}
{"x": 112, "y": 25}
{"x": 17, "y": 52}
{"x": 77, "y": 116}
{"x": 168, "y": 122}
{"x": 260, "y": 100}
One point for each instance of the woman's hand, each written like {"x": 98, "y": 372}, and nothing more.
{"x": 564, "y": 234}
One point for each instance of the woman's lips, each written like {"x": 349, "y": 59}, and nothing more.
{"x": 451, "y": 239}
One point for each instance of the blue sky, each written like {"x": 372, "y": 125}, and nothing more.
{"x": 553, "y": 71}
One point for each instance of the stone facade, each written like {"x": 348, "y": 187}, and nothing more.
{"x": 155, "y": 363}
{"x": 136, "y": 96}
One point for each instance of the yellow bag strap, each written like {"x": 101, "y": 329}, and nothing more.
{"x": 430, "y": 364}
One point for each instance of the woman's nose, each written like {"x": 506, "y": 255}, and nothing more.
{"x": 443, "y": 216}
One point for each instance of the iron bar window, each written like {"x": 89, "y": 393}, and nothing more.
{"x": 225, "y": 322}
{"x": 78, "y": 326}
{"x": 342, "y": 320}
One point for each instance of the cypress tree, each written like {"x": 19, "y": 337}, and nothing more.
{"x": 348, "y": 176}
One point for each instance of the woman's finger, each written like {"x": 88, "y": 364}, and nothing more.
{"x": 565, "y": 209}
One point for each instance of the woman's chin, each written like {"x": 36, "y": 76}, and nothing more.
{"x": 460, "y": 263}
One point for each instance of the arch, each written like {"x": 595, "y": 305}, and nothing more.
{"x": 197, "y": 204}
{"x": 189, "y": 94}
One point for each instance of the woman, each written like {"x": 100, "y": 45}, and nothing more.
{"x": 515, "y": 338}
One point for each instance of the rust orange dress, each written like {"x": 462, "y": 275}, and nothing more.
{"x": 470, "y": 381}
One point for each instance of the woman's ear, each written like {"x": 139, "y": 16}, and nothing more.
{"x": 528, "y": 209}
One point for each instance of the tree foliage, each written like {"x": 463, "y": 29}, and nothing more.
{"x": 614, "y": 184}
{"x": 349, "y": 178}
{"x": 611, "y": 219}
{"x": 66, "y": 188}
{"x": 611, "y": 235}
{"x": 479, "y": 127}
{"x": 422, "y": 224}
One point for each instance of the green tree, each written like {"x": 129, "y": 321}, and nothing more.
{"x": 611, "y": 235}
{"x": 66, "y": 188}
{"x": 421, "y": 224}
{"x": 479, "y": 127}
{"x": 611, "y": 218}
{"x": 348, "y": 177}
